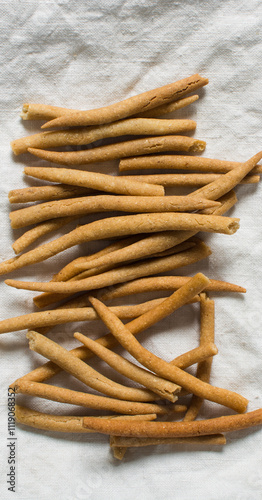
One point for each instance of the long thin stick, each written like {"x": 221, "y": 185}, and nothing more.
{"x": 142, "y": 102}
{"x": 122, "y": 150}
{"x": 216, "y": 425}
{"x": 73, "y": 207}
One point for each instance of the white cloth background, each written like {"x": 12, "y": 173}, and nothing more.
{"x": 86, "y": 54}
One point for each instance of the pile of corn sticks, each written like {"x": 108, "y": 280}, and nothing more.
{"x": 158, "y": 233}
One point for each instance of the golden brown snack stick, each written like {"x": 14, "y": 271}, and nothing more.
{"x": 120, "y": 274}
{"x": 164, "y": 369}
{"x": 95, "y": 180}
{"x": 59, "y": 316}
{"x": 83, "y": 372}
{"x": 163, "y": 388}
{"x": 207, "y": 334}
{"x": 136, "y": 104}
{"x": 58, "y": 423}
{"x": 156, "y": 283}
{"x": 185, "y": 180}
{"x": 215, "y": 425}
{"x": 169, "y": 108}
{"x": 181, "y": 162}
{"x": 86, "y": 135}
{"x": 47, "y": 193}
{"x": 38, "y": 231}
{"x": 33, "y": 111}
{"x": 73, "y": 207}
{"x": 223, "y": 185}
{"x": 111, "y": 227}
{"x": 63, "y": 395}
{"x": 124, "y": 149}
{"x": 132, "y": 442}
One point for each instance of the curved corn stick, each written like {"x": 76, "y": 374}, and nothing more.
{"x": 60, "y": 316}
{"x": 95, "y": 180}
{"x": 87, "y": 135}
{"x": 122, "y": 150}
{"x": 216, "y": 425}
{"x": 57, "y": 423}
{"x": 32, "y": 111}
{"x": 142, "y": 102}
{"x": 180, "y": 162}
{"x": 118, "y": 275}
{"x": 69, "y": 396}
{"x": 83, "y": 372}
{"x": 156, "y": 283}
{"x": 105, "y": 203}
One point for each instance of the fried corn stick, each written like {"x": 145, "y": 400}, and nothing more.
{"x": 87, "y": 135}
{"x": 216, "y": 425}
{"x": 120, "y": 274}
{"x": 58, "y": 423}
{"x": 83, "y": 372}
{"x": 122, "y": 150}
{"x": 60, "y": 316}
{"x": 95, "y": 180}
{"x": 47, "y": 193}
{"x": 134, "y": 372}
{"x": 154, "y": 363}
{"x": 62, "y": 395}
{"x": 181, "y": 162}
{"x": 32, "y": 111}
{"x": 73, "y": 207}
{"x": 136, "y": 104}
{"x": 207, "y": 334}
{"x": 157, "y": 283}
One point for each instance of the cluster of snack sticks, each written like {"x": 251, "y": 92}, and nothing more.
{"x": 157, "y": 235}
